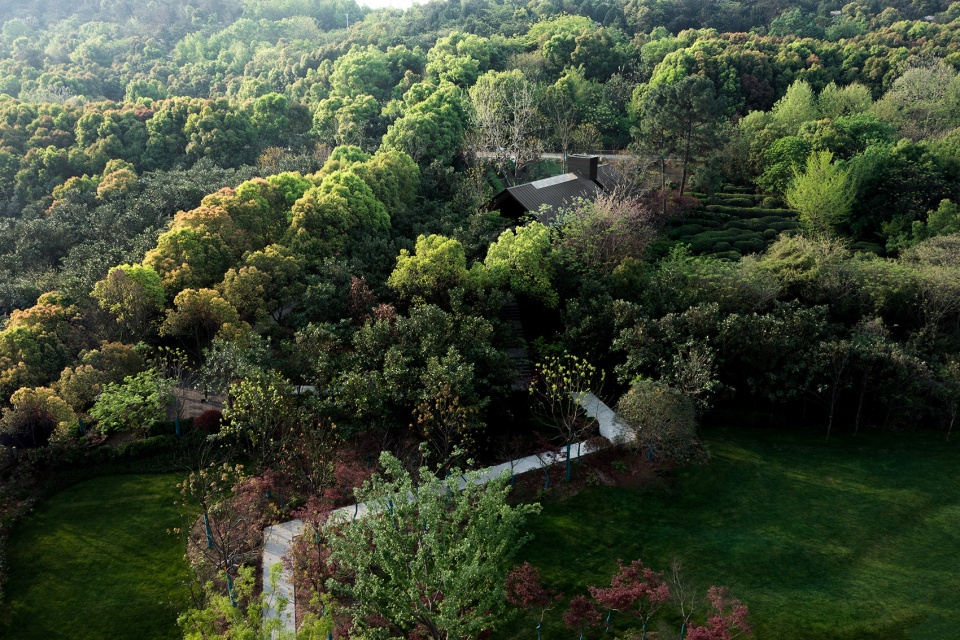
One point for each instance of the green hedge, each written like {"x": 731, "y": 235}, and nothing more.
{"x": 750, "y": 212}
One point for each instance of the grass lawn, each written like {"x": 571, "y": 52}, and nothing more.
{"x": 858, "y": 538}
{"x": 96, "y": 561}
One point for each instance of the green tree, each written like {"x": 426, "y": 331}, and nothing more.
{"x": 239, "y": 614}
{"x": 263, "y": 407}
{"x": 663, "y": 419}
{"x": 823, "y": 194}
{"x": 437, "y": 265}
{"x": 197, "y": 316}
{"x": 432, "y": 557}
{"x": 134, "y": 295}
{"x": 35, "y": 415}
{"x": 522, "y": 260}
{"x": 687, "y": 115}
{"x": 331, "y": 218}
{"x": 505, "y": 118}
{"x": 136, "y": 404}
{"x": 432, "y": 129}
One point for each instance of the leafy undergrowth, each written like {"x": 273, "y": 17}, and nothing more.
{"x": 97, "y": 561}
{"x": 857, "y": 538}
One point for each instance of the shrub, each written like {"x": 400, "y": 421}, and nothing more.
{"x": 737, "y": 202}
{"x": 663, "y": 419}
{"x": 769, "y": 202}
{"x": 208, "y": 421}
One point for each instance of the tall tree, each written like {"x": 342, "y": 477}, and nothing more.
{"x": 685, "y": 116}
{"x": 823, "y": 194}
{"x": 505, "y": 118}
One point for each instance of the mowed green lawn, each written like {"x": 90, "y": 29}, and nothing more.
{"x": 858, "y": 538}
{"x": 96, "y": 561}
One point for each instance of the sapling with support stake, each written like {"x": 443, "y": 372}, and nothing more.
{"x": 560, "y": 385}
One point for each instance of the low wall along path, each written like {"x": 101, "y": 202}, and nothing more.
{"x": 278, "y": 539}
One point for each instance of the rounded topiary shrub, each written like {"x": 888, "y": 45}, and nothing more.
{"x": 663, "y": 419}
{"x": 208, "y": 421}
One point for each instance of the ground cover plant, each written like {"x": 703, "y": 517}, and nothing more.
{"x": 98, "y": 560}
{"x": 851, "y": 539}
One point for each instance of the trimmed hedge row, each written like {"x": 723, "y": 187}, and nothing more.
{"x": 738, "y": 222}
{"x": 750, "y": 212}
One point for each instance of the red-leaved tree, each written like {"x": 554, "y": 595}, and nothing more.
{"x": 727, "y": 619}
{"x": 634, "y": 589}
{"x": 525, "y": 589}
{"x": 581, "y": 615}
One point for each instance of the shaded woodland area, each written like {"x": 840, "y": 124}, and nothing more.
{"x": 283, "y": 203}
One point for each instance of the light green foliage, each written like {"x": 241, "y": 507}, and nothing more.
{"x": 848, "y": 100}
{"x": 923, "y": 102}
{"x": 329, "y": 217}
{"x": 221, "y": 132}
{"x": 522, "y": 260}
{"x": 189, "y": 257}
{"x": 289, "y": 186}
{"x": 823, "y": 194}
{"x": 284, "y": 283}
{"x": 663, "y": 419}
{"x": 236, "y": 616}
{"x": 436, "y": 266}
{"x": 348, "y": 120}
{"x": 431, "y": 129}
{"x": 432, "y": 558}
{"x": 459, "y": 58}
{"x": 944, "y": 220}
{"x": 245, "y": 290}
{"x": 134, "y": 295}
{"x": 136, "y": 404}
{"x": 362, "y": 71}
{"x": 79, "y": 386}
{"x": 797, "y": 106}
{"x": 263, "y": 406}
{"x": 504, "y": 114}
{"x": 393, "y": 177}
{"x": 36, "y": 344}
{"x": 847, "y": 136}
{"x": 561, "y": 384}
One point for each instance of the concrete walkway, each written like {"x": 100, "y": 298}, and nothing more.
{"x": 278, "y": 539}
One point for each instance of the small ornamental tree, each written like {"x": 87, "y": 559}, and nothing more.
{"x": 727, "y": 619}
{"x": 558, "y": 388}
{"x": 635, "y": 590}
{"x": 239, "y": 613}
{"x": 581, "y": 615}
{"x": 525, "y": 589}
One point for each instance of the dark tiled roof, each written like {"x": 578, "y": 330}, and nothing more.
{"x": 558, "y": 193}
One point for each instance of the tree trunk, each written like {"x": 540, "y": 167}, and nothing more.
{"x": 686, "y": 159}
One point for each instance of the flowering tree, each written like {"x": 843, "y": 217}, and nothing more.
{"x": 727, "y": 619}
{"x": 560, "y": 384}
{"x": 634, "y": 589}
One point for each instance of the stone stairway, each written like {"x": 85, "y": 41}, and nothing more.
{"x": 517, "y": 351}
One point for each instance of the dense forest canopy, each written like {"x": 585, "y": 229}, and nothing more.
{"x": 254, "y": 196}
